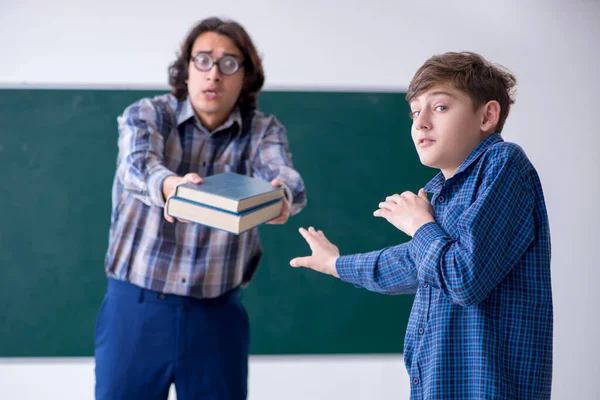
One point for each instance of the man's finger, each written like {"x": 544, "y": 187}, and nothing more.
{"x": 191, "y": 177}
{"x": 196, "y": 179}
{"x": 423, "y": 194}
{"x": 277, "y": 220}
{"x": 167, "y": 216}
{"x": 276, "y": 182}
{"x": 283, "y": 216}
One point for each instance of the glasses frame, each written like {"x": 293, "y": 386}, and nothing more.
{"x": 240, "y": 63}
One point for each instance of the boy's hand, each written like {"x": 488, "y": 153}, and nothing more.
{"x": 169, "y": 186}
{"x": 324, "y": 253}
{"x": 285, "y": 207}
{"x": 406, "y": 211}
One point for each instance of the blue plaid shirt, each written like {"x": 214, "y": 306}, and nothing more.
{"x": 481, "y": 322}
{"x": 161, "y": 137}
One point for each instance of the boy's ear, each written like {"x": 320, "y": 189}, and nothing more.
{"x": 490, "y": 116}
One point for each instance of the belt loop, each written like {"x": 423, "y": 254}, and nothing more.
{"x": 141, "y": 297}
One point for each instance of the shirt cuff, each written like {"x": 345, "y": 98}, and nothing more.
{"x": 289, "y": 196}
{"x": 155, "y": 183}
{"x": 344, "y": 265}
{"x": 355, "y": 268}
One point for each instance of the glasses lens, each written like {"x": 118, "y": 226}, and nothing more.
{"x": 229, "y": 65}
{"x": 203, "y": 62}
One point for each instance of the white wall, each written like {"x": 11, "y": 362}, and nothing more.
{"x": 278, "y": 377}
{"x": 550, "y": 45}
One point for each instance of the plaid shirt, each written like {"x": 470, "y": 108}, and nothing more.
{"x": 481, "y": 323}
{"x": 161, "y": 137}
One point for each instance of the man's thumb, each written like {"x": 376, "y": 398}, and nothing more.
{"x": 423, "y": 194}
{"x": 196, "y": 178}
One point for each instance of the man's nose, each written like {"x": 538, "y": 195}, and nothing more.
{"x": 214, "y": 73}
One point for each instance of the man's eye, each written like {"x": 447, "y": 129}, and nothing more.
{"x": 203, "y": 59}
{"x": 441, "y": 108}
{"x": 229, "y": 62}
{"x": 414, "y": 114}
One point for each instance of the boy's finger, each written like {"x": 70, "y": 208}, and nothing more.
{"x": 386, "y": 205}
{"x": 300, "y": 262}
{"x": 383, "y": 213}
{"x": 307, "y": 236}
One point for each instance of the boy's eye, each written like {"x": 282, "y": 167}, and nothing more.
{"x": 414, "y": 114}
{"x": 441, "y": 108}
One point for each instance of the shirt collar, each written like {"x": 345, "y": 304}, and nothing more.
{"x": 186, "y": 112}
{"x": 435, "y": 185}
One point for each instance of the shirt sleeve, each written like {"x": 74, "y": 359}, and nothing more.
{"x": 141, "y": 153}
{"x": 493, "y": 234}
{"x": 390, "y": 270}
{"x": 274, "y": 160}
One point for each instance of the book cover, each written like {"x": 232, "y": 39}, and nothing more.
{"x": 222, "y": 219}
{"x": 230, "y": 191}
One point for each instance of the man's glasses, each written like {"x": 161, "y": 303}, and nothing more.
{"x": 228, "y": 65}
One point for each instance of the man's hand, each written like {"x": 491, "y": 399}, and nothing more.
{"x": 168, "y": 189}
{"x": 406, "y": 211}
{"x": 285, "y": 207}
{"x": 324, "y": 253}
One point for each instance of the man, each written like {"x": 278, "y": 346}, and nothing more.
{"x": 172, "y": 312}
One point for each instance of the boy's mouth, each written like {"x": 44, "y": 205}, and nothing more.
{"x": 425, "y": 142}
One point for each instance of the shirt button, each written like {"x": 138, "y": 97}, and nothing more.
{"x": 416, "y": 381}
{"x": 161, "y": 296}
{"x": 441, "y": 199}
{"x": 182, "y": 280}
{"x": 421, "y": 331}
{"x": 425, "y": 285}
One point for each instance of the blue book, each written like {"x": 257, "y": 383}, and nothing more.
{"x": 221, "y": 219}
{"x": 230, "y": 191}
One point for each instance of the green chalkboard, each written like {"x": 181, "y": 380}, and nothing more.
{"x": 57, "y": 161}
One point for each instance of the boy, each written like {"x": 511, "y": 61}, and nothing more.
{"x": 172, "y": 312}
{"x": 479, "y": 257}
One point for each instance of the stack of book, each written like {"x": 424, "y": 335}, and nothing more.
{"x": 227, "y": 201}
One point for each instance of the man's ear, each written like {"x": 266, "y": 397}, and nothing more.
{"x": 490, "y": 116}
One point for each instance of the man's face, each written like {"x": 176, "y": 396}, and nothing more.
{"x": 445, "y": 127}
{"x": 212, "y": 93}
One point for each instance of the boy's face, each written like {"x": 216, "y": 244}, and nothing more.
{"x": 212, "y": 93}
{"x": 445, "y": 127}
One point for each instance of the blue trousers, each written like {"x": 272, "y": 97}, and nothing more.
{"x": 146, "y": 340}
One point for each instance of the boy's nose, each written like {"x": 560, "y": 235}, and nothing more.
{"x": 422, "y": 122}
